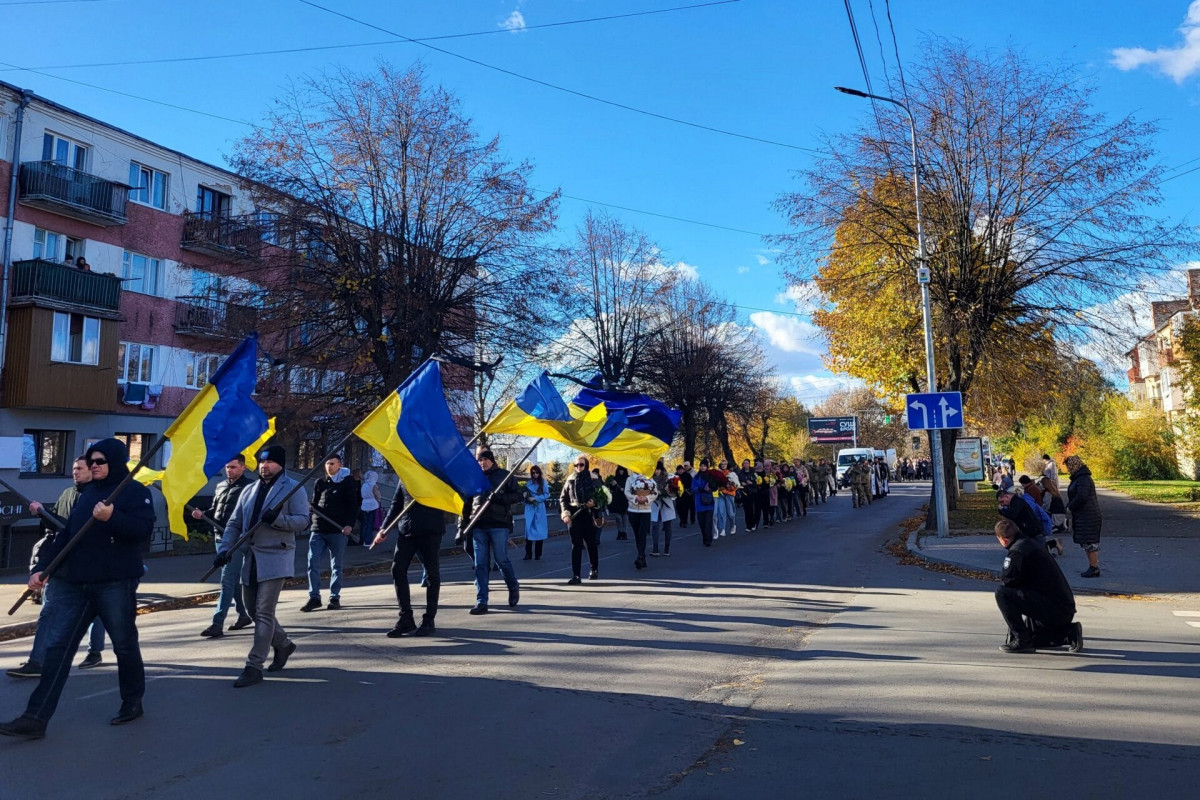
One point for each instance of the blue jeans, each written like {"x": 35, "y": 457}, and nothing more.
{"x": 491, "y": 543}
{"x": 725, "y": 514}
{"x": 318, "y": 545}
{"x": 231, "y": 590}
{"x": 75, "y": 606}
{"x": 41, "y": 636}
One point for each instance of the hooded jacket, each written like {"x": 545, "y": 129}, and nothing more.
{"x": 108, "y": 551}
{"x": 340, "y": 497}
{"x": 499, "y": 512}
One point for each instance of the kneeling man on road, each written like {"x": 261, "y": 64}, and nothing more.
{"x": 1034, "y": 598}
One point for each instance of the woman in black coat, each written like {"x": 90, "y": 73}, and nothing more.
{"x": 1085, "y": 513}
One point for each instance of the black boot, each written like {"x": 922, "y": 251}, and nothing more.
{"x": 128, "y": 713}
{"x": 24, "y": 728}
{"x": 403, "y": 626}
{"x": 427, "y": 628}
{"x": 249, "y": 677}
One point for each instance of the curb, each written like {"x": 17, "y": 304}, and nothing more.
{"x": 914, "y": 549}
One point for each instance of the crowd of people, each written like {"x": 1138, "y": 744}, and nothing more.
{"x": 258, "y": 522}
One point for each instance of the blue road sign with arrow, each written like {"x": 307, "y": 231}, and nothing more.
{"x": 934, "y": 411}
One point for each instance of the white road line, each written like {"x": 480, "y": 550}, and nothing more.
{"x": 1186, "y": 613}
{"x": 1193, "y": 624}
{"x": 116, "y": 689}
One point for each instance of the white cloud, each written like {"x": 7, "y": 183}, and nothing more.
{"x": 762, "y": 260}
{"x": 515, "y": 22}
{"x": 814, "y": 388}
{"x": 686, "y": 271}
{"x": 788, "y": 333}
{"x": 742, "y": 270}
{"x": 1178, "y": 63}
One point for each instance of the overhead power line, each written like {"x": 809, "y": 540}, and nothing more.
{"x": 556, "y": 87}
{"x": 393, "y": 41}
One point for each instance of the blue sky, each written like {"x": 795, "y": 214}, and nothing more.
{"x": 763, "y": 68}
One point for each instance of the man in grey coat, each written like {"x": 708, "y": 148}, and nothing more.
{"x": 270, "y": 557}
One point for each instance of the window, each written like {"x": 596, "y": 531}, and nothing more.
{"x": 138, "y": 444}
{"x": 200, "y": 368}
{"x": 75, "y": 339}
{"x": 205, "y": 284}
{"x": 307, "y": 454}
{"x": 135, "y": 363}
{"x": 44, "y": 453}
{"x": 141, "y": 273}
{"x": 47, "y": 245}
{"x": 266, "y": 223}
{"x": 212, "y": 204}
{"x": 149, "y": 185}
{"x": 64, "y": 151}
{"x": 74, "y": 247}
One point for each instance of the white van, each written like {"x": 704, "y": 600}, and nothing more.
{"x": 846, "y": 459}
{"x": 889, "y": 458}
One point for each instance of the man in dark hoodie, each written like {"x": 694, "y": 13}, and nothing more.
{"x": 338, "y": 497}
{"x": 99, "y": 577}
{"x": 491, "y": 532}
{"x": 224, "y": 500}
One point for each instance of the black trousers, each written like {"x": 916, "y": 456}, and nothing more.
{"x": 532, "y": 547}
{"x": 750, "y": 509}
{"x": 426, "y": 548}
{"x": 767, "y": 511}
{"x": 705, "y": 519}
{"x": 1047, "y": 616}
{"x": 584, "y": 534}
{"x": 800, "y": 500}
{"x": 641, "y": 527}
{"x": 685, "y": 509}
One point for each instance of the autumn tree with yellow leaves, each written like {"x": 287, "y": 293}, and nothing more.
{"x": 1037, "y": 210}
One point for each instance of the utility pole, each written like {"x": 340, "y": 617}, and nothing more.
{"x": 941, "y": 506}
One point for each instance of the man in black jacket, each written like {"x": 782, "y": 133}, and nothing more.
{"x": 1020, "y": 514}
{"x": 99, "y": 577}
{"x": 338, "y": 497}
{"x": 224, "y": 500}
{"x": 419, "y": 533}
{"x": 491, "y": 532}
{"x": 1034, "y": 598}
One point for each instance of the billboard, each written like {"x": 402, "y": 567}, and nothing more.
{"x": 968, "y": 459}
{"x": 830, "y": 430}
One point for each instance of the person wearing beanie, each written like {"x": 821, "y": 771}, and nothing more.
{"x": 98, "y": 578}
{"x": 270, "y": 557}
{"x": 339, "y": 498}
{"x": 489, "y": 537}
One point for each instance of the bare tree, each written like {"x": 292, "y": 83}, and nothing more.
{"x": 402, "y": 233}
{"x": 613, "y": 286}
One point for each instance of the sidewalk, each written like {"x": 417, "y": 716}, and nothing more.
{"x": 1145, "y": 548}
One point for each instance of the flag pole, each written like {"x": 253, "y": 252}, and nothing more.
{"x": 74, "y": 540}
{"x": 462, "y": 535}
{"x": 44, "y": 514}
{"x": 333, "y": 451}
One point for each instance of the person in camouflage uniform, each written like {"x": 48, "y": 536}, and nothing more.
{"x": 860, "y": 483}
{"x": 822, "y": 480}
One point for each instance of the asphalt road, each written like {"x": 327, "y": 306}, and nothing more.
{"x": 799, "y": 661}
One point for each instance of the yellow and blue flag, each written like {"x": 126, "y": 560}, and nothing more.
{"x": 413, "y": 429}
{"x": 593, "y": 426}
{"x": 220, "y": 422}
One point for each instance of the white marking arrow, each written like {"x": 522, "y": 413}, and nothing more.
{"x": 924, "y": 411}
{"x": 947, "y": 411}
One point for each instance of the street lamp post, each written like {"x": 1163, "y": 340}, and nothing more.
{"x": 941, "y": 508}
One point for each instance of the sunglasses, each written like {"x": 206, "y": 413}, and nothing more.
{"x": 97, "y": 462}
{"x": 581, "y": 465}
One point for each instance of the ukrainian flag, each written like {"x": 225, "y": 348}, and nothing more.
{"x": 600, "y": 429}
{"x": 220, "y": 422}
{"x": 412, "y": 428}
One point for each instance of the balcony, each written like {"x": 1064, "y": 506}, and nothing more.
{"x": 58, "y": 285}
{"x": 72, "y": 193}
{"x": 213, "y": 318}
{"x": 222, "y": 236}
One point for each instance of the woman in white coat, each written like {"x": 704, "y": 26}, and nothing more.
{"x": 662, "y": 512}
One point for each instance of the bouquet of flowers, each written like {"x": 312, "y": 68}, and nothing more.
{"x": 601, "y": 496}
{"x": 642, "y": 488}
{"x": 675, "y": 486}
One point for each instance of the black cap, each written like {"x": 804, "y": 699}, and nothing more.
{"x": 274, "y": 453}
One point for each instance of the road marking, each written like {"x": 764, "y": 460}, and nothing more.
{"x": 116, "y": 689}
{"x": 1186, "y": 613}
{"x": 1193, "y": 624}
